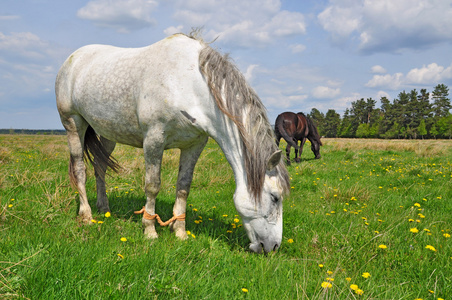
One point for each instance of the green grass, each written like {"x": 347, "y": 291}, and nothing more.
{"x": 361, "y": 194}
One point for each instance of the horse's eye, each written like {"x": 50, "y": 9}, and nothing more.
{"x": 275, "y": 199}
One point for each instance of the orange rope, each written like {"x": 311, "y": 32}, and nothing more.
{"x": 156, "y": 216}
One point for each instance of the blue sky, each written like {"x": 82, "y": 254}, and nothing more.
{"x": 296, "y": 54}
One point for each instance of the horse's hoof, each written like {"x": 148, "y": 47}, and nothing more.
{"x": 150, "y": 234}
{"x": 181, "y": 234}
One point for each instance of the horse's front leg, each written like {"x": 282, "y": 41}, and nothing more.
{"x": 303, "y": 140}
{"x": 188, "y": 159}
{"x": 153, "y": 153}
{"x": 297, "y": 152}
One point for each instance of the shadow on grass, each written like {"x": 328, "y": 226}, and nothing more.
{"x": 209, "y": 222}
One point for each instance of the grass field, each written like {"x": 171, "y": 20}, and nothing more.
{"x": 372, "y": 219}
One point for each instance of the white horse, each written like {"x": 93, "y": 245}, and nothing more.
{"x": 172, "y": 94}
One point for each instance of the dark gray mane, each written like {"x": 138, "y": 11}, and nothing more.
{"x": 243, "y": 106}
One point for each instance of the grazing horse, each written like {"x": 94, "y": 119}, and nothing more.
{"x": 172, "y": 94}
{"x": 297, "y": 127}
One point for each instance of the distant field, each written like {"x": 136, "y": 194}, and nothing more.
{"x": 372, "y": 219}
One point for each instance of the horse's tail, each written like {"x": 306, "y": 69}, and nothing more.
{"x": 96, "y": 154}
{"x": 313, "y": 131}
{"x": 279, "y": 127}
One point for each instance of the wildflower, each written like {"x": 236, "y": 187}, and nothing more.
{"x": 94, "y": 221}
{"x": 320, "y": 266}
{"x": 326, "y": 285}
{"x": 430, "y": 247}
{"x": 236, "y": 220}
{"x": 244, "y": 290}
{"x": 120, "y": 256}
{"x": 354, "y": 287}
{"x": 417, "y": 204}
{"x": 329, "y": 272}
{"x": 100, "y": 222}
{"x": 348, "y": 279}
{"x": 188, "y": 232}
{"x": 366, "y": 275}
{"x": 421, "y": 216}
{"x": 123, "y": 239}
{"x": 414, "y": 230}
{"x": 329, "y": 279}
{"x": 290, "y": 241}
{"x": 225, "y": 216}
{"x": 382, "y": 246}
{"x": 107, "y": 214}
{"x": 11, "y": 205}
{"x": 229, "y": 231}
{"x": 359, "y": 292}
{"x": 410, "y": 220}
{"x": 446, "y": 235}
{"x": 193, "y": 236}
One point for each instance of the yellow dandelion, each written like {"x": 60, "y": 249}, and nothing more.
{"x": 225, "y": 216}
{"x": 123, "y": 239}
{"x": 93, "y": 221}
{"x": 236, "y": 220}
{"x": 410, "y": 220}
{"x": 244, "y": 290}
{"x": 348, "y": 279}
{"x": 195, "y": 209}
{"x": 414, "y": 230}
{"x": 120, "y": 256}
{"x": 417, "y": 204}
{"x": 329, "y": 272}
{"x": 382, "y": 246}
{"x": 354, "y": 287}
{"x": 359, "y": 292}
{"x": 188, "y": 232}
{"x": 193, "y": 236}
{"x": 326, "y": 285}
{"x": 100, "y": 222}
{"x": 107, "y": 214}
{"x": 290, "y": 241}
{"x": 430, "y": 247}
{"x": 366, "y": 275}
{"x": 320, "y": 266}
{"x": 10, "y": 205}
{"x": 446, "y": 235}
{"x": 329, "y": 279}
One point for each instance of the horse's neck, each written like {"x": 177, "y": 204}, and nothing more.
{"x": 228, "y": 138}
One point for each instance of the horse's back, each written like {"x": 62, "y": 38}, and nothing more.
{"x": 122, "y": 91}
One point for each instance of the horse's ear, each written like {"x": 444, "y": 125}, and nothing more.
{"x": 274, "y": 160}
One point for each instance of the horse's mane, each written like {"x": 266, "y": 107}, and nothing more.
{"x": 237, "y": 100}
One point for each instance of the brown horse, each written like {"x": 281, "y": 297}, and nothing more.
{"x": 297, "y": 127}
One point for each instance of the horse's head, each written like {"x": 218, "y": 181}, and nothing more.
{"x": 262, "y": 219}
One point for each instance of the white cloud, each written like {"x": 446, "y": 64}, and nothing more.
{"x": 392, "y": 82}
{"x": 324, "y": 92}
{"x": 244, "y": 23}
{"x": 430, "y": 74}
{"x": 377, "y": 69}
{"x": 249, "y": 72}
{"x": 123, "y": 16}
{"x": 388, "y": 25}
{"x": 297, "y": 48}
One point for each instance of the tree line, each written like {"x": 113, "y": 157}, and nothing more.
{"x": 412, "y": 115}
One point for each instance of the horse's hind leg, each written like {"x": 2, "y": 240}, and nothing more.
{"x": 102, "y": 200}
{"x": 76, "y": 128}
{"x": 188, "y": 159}
{"x": 288, "y": 154}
